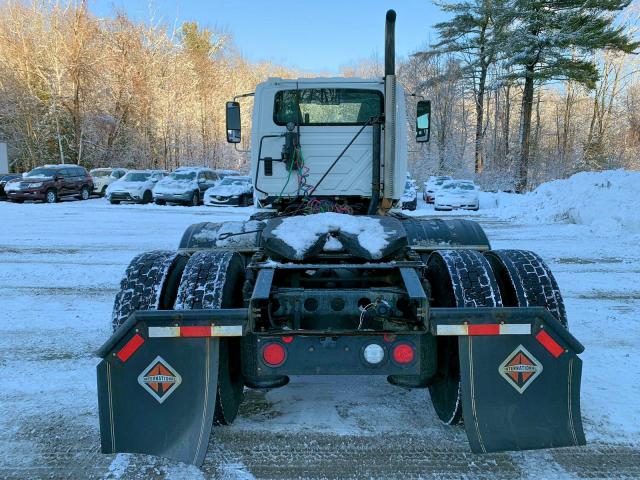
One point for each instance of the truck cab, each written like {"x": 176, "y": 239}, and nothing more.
{"x": 327, "y": 114}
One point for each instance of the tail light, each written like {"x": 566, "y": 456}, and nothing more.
{"x": 274, "y": 354}
{"x": 403, "y": 353}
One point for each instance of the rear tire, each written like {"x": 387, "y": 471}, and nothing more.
{"x": 51, "y": 196}
{"x": 147, "y": 197}
{"x": 149, "y": 284}
{"x": 15, "y": 200}
{"x": 213, "y": 280}
{"x": 526, "y": 281}
{"x": 160, "y": 202}
{"x": 85, "y": 194}
{"x": 462, "y": 279}
{"x": 114, "y": 202}
{"x": 195, "y": 200}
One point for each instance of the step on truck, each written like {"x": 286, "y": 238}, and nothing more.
{"x": 326, "y": 279}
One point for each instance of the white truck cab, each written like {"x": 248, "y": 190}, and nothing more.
{"x": 332, "y": 111}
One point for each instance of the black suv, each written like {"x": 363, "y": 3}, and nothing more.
{"x": 4, "y": 178}
{"x": 50, "y": 183}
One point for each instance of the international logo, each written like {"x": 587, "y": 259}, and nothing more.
{"x": 520, "y": 369}
{"x": 159, "y": 379}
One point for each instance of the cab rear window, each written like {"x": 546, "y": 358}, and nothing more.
{"x": 327, "y": 106}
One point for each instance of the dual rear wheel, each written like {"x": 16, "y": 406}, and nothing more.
{"x": 467, "y": 278}
{"x": 163, "y": 280}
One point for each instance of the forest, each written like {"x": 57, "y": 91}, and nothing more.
{"x": 518, "y": 98}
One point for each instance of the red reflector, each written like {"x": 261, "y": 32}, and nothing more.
{"x": 403, "y": 353}
{"x": 549, "y": 343}
{"x": 273, "y": 354}
{"x": 130, "y": 347}
{"x": 484, "y": 329}
{"x": 389, "y": 337}
{"x": 195, "y": 331}
{"x": 287, "y": 339}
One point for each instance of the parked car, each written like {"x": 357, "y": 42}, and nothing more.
{"x": 455, "y": 194}
{"x": 431, "y": 186}
{"x": 231, "y": 190}
{"x": 51, "y": 183}
{"x": 4, "y": 178}
{"x": 185, "y": 185}
{"x": 135, "y": 186}
{"x": 409, "y": 199}
{"x": 103, "y": 177}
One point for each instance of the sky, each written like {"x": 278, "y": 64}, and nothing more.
{"x": 314, "y": 36}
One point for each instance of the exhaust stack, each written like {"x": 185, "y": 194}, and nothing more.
{"x": 390, "y": 119}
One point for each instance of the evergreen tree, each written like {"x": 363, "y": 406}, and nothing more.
{"x": 556, "y": 40}
{"x": 471, "y": 35}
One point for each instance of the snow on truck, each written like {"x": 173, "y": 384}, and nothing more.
{"x": 331, "y": 282}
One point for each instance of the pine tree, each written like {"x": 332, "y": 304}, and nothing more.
{"x": 471, "y": 35}
{"x": 556, "y": 40}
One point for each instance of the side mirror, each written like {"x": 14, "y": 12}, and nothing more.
{"x": 202, "y": 180}
{"x": 234, "y": 128}
{"x": 423, "y": 121}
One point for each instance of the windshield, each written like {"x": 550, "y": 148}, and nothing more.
{"x": 458, "y": 186}
{"x": 136, "y": 177}
{"x": 234, "y": 181}
{"x": 183, "y": 176}
{"x": 100, "y": 173}
{"x": 327, "y": 106}
{"x": 42, "y": 172}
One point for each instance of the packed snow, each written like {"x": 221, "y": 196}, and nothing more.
{"x": 300, "y": 233}
{"x": 605, "y": 201}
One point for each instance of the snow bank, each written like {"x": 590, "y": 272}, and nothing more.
{"x": 606, "y": 201}
{"x": 300, "y": 233}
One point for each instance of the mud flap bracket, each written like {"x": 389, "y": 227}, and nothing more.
{"x": 520, "y": 377}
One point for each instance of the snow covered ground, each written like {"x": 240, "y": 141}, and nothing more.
{"x": 60, "y": 266}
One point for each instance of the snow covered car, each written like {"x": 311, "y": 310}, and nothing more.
{"x": 431, "y": 186}
{"x": 455, "y": 194}
{"x": 409, "y": 199}
{"x": 103, "y": 177}
{"x": 136, "y": 186}
{"x": 4, "y": 178}
{"x": 231, "y": 190}
{"x": 185, "y": 185}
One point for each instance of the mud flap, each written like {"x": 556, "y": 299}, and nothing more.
{"x": 520, "y": 378}
{"x": 157, "y": 385}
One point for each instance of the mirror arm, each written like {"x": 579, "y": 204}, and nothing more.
{"x": 243, "y": 95}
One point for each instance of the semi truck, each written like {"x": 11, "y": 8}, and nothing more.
{"x": 327, "y": 278}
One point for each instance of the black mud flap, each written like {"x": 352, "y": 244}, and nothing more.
{"x": 520, "y": 378}
{"x": 157, "y": 385}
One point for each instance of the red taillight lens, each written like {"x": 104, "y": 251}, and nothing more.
{"x": 287, "y": 339}
{"x": 273, "y": 354}
{"x": 403, "y": 353}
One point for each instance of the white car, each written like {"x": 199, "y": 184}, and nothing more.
{"x": 136, "y": 186}
{"x": 409, "y": 199}
{"x": 231, "y": 190}
{"x": 185, "y": 185}
{"x": 103, "y": 177}
{"x": 457, "y": 194}
{"x": 431, "y": 186}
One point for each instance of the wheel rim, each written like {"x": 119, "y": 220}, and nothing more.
{"x": 51, "y": 197}
{"x": 85, "y": 194}
{"x": 194, "y": 200}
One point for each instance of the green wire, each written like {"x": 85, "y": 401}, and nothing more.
{"x": 289, "y": 176}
